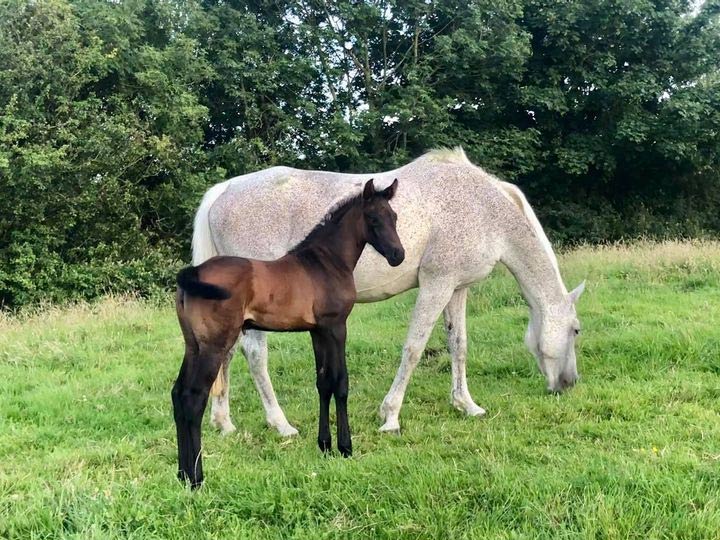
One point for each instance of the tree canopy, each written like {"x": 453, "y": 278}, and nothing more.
{"x": 115, "y": 116}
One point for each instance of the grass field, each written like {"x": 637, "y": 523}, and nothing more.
{"x": 87, "y": 440}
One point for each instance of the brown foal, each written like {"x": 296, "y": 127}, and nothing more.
{"x": 309, "y": 289}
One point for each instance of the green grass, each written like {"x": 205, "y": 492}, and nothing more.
{"x": 87, "y": 440}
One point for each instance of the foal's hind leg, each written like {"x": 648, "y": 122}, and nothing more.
{"x": 220, "y": 392}
{"x": 455, "y": 326}
{"x": 190, "y": 395}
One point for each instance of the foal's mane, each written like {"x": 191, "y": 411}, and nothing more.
{"x": 332, "y": 218}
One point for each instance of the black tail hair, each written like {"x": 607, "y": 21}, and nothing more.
{"x": 188, "y": 281}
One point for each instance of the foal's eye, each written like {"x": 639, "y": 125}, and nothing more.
{"x": 577, "y": 331}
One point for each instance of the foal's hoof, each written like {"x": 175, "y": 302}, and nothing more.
{"x": 197, "y": 484}
{"x": 345, "y": 451}
{"x": 185, "y": 479}
{"x": 325, "y": 445}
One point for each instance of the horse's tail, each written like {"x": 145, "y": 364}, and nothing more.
{"x": 189, "y": 281}
{"x": 203, "y": 246}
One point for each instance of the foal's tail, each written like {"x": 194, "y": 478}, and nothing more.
{"x": 188, "y": 281}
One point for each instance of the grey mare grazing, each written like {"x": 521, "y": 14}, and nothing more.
{"x": 456, "y": 222}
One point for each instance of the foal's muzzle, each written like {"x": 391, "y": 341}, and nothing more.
{"x": 396, "y": 257}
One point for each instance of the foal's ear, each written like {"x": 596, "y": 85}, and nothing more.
{"x": 369, "y": 190}
{"x": 389, "y": 192}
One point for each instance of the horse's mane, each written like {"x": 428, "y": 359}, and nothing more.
{"x": 510, "y": 191}
{"x": 332, "y": 217}
{"x": 448, "y": 155}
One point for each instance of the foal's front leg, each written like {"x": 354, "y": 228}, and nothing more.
{"x": 324, "y": 383}
{"x": 341, "y": 390}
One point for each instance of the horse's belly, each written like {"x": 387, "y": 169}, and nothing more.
{"x": 376, "y": 280}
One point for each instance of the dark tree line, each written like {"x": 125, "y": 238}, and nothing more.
{"x": 115, "y": 116}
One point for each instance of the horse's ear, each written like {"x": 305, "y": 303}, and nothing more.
{"x": 389, "y": 192}
{"x": 574, "y": 295}
{"x": 369, "y": 190}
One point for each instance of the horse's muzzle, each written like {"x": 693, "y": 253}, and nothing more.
{"x": 563, "y": 383}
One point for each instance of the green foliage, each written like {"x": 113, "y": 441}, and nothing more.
{"x": 116, "y": 116}
{"x": 101, "y": 162}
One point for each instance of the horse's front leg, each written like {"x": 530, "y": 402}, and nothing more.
{"x": 456, "y": 329}
{"x": 325, "y": 385}
{"x": 433, "y": 296}
{"x": 344, "y": 442}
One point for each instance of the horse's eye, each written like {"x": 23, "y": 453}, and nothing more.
{"x": 577, "y": 331}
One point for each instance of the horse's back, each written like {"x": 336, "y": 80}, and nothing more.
{"x": 447, "y": 213}
{"x": 264, "y": 214}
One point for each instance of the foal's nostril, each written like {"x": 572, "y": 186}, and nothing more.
{"x": 397, "y": 257}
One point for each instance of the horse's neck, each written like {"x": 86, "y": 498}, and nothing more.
{"x": 343, "y": 242}
{"x": 531, "y": 264}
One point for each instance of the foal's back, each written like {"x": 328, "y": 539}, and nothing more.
{"x": 276, "y": 295}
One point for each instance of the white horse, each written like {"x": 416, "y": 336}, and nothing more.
{"x": 456, "y": 222}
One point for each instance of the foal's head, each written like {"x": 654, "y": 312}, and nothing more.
{"x": 380, "y": 222}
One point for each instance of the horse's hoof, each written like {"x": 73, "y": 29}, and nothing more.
{"x": 287, "y": 430}
{"x": 467, "y": 405}
{"x": 345, "y": 451}
{"x": 227, "y": 428}
{"x": 387, "y": 411}
{"x": 475, "y": 411}
{"x": 392, "y": 427}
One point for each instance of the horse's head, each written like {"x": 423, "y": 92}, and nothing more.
{"x": 380, "y": 222}
{"x": 551, "y": 338}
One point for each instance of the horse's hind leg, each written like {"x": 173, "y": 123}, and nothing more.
{"x": 220, "y": 392}
{"x": 456, "y": 329}
{"x": 254, "y": 347}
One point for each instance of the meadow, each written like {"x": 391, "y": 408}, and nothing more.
{"x": 87, "y": 439}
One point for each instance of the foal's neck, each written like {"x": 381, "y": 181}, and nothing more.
{"x": 343, "y": 241}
